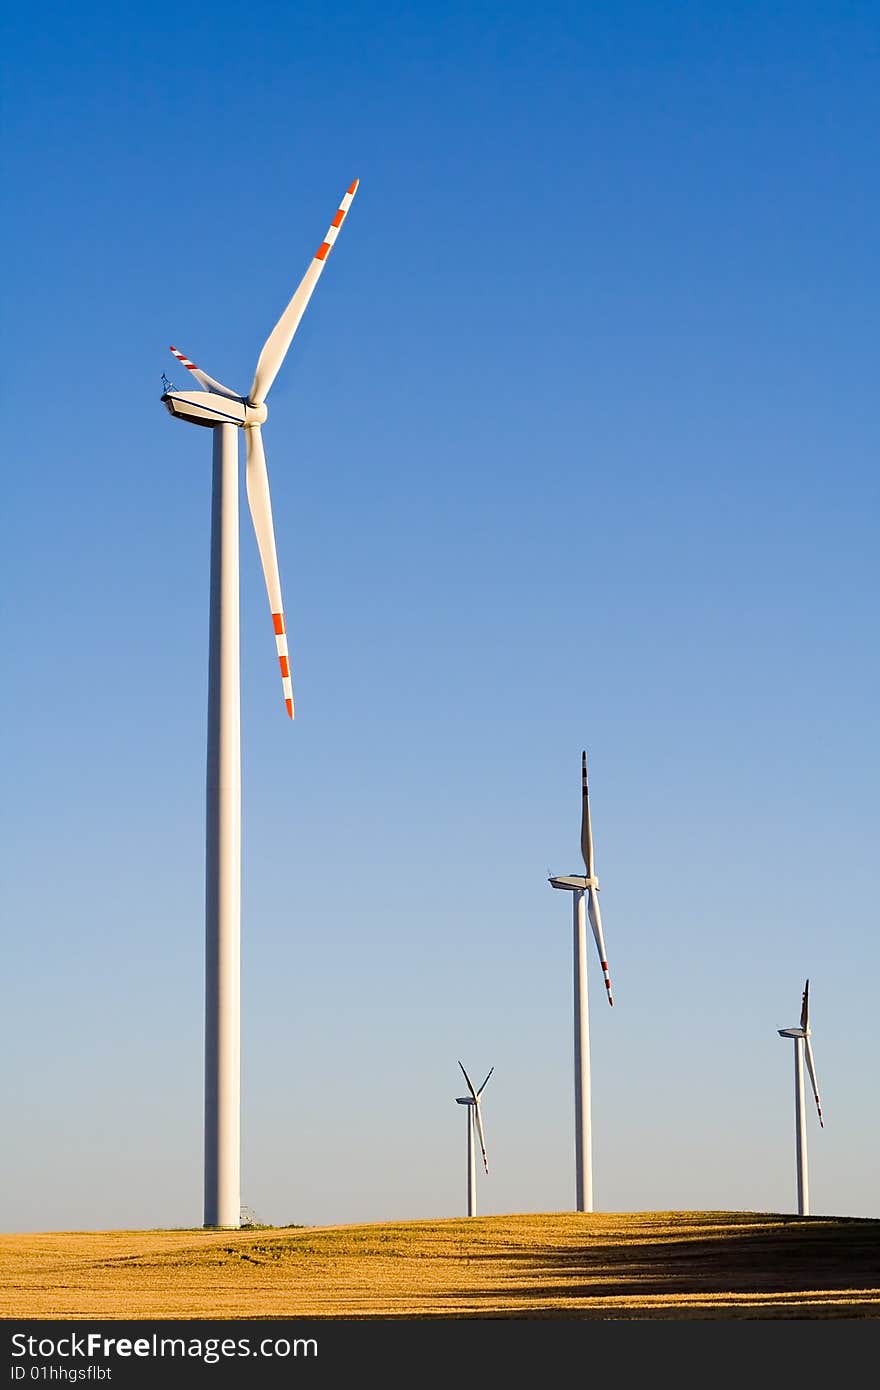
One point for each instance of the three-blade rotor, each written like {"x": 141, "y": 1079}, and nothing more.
{"x": 475, "y": 1096}
{"x": 250, "y": 412}
{"x": 593, "y": 910}
{"x": 802, "y": 1034}
{"x": 808, "y": 1049}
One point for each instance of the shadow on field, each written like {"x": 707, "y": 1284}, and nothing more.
{"x": 788, "y": 1259}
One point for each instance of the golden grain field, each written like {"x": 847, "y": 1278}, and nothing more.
{"x": 635, "y": 1265}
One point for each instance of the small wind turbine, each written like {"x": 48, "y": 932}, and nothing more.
{"x": 217, "y": 408}
{"x": 474, "y": 1120}
{"x": 802, "y": 1047}
{"x": 585, "y": 894}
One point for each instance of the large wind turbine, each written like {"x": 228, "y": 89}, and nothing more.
{"x": 474, "y": 1120}
{"x": 802, "y": 1048}
{"x": 585, "y": 895}
{"x": 218, "y": 408}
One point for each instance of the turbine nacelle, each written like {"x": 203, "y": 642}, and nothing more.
{"x": 205, "y": 408}
{"x": 573, "y": 883}
{"x": 209, "y": 408}
{"x": 792, "y": 1032}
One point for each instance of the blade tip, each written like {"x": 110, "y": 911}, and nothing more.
{"x": 354, "y": 187}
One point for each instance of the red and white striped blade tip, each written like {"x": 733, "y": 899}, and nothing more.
{"x": 326, "y": 246}
{"x": 607, "y": 979}
{"x": 190, "y": 366}
{"x": 208, "y": 383}
{"x": 283, "y": 661}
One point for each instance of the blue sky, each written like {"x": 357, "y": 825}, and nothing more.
{"x": 576, "y": 447}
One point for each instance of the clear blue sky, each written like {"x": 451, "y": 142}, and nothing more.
{"x": 577, "y": 446}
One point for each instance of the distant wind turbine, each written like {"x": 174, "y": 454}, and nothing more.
{"x": 585, "y": 893}
{"x": 802, "y": 1048}
{"x": 217, "y": 408}
{"x": 474, "y": 1121}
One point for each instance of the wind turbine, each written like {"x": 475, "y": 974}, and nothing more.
{"x": 585, "y": 896}
{"x": 474, "y": 1120}
{"x": 802, "y": 1047}
{"x": 217, "y": 408}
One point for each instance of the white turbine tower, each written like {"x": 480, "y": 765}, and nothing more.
{"x": 218, "y": 408}
{"x": 802, "y": 1048}
{"x": 585, "y": 895}
{"x": 474, "y": 1120}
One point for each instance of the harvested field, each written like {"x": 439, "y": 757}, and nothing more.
{"x": 568, "y": 1265}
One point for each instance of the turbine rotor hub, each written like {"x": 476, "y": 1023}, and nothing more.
{"x": 255, "y": 414}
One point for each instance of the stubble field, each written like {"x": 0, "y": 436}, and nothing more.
{"x": 559, "y": 1265}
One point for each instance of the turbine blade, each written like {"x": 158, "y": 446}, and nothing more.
{"x": 203, "y": 379}
{"x": 279, "y": 340}
{"x": 480, "y": 1091}
{"x": 469, "y": 1083}
{"x": 596, "y": 923}
{"x": 586, "y": 832}
{"x": 811, "y": 1068}
{"x": 261, "y": 514}
{"x": 805, "y": 1007}
{"x": 479, "y": 1120}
